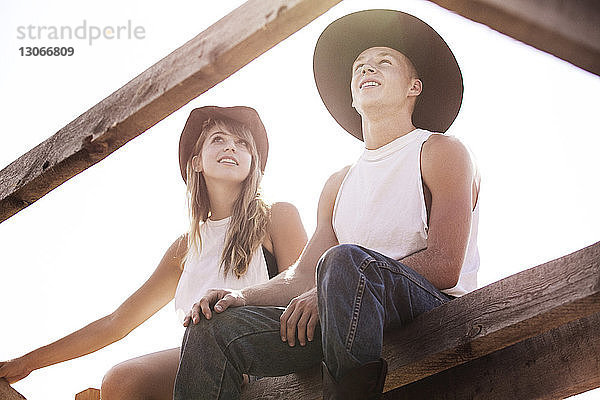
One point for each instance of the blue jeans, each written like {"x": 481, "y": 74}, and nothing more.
{"x": 361, "y": 293}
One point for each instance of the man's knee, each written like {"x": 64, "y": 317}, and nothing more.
{"x": 340, "y": 260}
{"x": 339, "y": 269}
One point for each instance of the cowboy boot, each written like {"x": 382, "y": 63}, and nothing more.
{"x": 361, "y": 383}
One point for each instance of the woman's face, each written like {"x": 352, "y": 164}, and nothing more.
{"x": 224, "y": 157}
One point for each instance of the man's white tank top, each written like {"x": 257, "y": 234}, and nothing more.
{"x": 203, "y": 271}
{"x": 381, "y": 206}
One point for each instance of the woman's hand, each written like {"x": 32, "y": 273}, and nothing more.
{"x": 14, "y": 370}
{"x": 221, "y": 299}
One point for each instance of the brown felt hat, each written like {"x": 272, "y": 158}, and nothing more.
{"x": 245, "y": 115}
{"x": 344, "y": 39}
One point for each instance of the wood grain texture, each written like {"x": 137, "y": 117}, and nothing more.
{"x": 305, "y": 385}
{"x": 557, "y": 364}
{"x": 192, "y": 69}
{"x": 7, "y": 392}
{"x": 489, "y": 319}
{"x": 496, "y": 316}
{"x": 566, "y": 29}
{"x": 88, "y": 394}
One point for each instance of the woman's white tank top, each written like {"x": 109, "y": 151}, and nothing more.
{"x": 381, "y": 206}
{"x": 203, "y": 271}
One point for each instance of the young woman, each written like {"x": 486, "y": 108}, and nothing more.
{"x": 234, "y": 240}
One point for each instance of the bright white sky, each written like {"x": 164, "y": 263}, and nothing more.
{"x": 531, "y": 119}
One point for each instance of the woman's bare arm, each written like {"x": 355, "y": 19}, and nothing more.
{"x": 157, "y": 291}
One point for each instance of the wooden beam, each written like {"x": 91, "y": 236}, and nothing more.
{"x": 491, "y": 318}
{"x": 192, "y": 69}
{"x": 88, "y": 394}
{"x": 8, "y": 393}
{"x": 303, "y": 385}
{"x": 557, "y": 364}
{"x": 496, "y": 316}
{"x": 567, "y": 29}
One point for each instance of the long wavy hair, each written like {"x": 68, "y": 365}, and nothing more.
{"x": 250, "y": 215}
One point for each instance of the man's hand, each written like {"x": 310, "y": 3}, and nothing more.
{"x": 302, "y": 314}
{"x": 221, "y": 299}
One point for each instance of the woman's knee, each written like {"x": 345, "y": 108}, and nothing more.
{"x": 121, "y": 382}
{"x": 214, "y": 332}
{"x": 147, "y": 377}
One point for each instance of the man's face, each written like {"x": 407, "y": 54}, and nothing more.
{"x": 380, "y": 75}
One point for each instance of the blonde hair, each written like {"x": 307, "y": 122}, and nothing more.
{"x": 250, "y": 214}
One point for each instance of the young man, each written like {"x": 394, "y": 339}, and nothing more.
{"x": 396, "y": 232}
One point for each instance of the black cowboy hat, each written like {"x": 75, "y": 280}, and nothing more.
{"x": 344, "y": 39}
{"x": 245, "y": 115}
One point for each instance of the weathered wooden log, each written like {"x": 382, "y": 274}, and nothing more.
{"x": 496, "y": 316}
{"x": 192, "y": 69}
{"x": 557, "y": 364}
{"x": 88, "y": 394}
{"x": 492, "y": 318}
{"x": 567, "y": 29}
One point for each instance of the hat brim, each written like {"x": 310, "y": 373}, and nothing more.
{"x": 344, "y": 39}
{"x": 245, "y": 115}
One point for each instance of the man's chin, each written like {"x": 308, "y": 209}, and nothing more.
{"x": 369, "y": 105}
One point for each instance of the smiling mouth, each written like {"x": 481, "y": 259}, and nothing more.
{"x": 369, "y": 84}
{"x": 228, "y": 161}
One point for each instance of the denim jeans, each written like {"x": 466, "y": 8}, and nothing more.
{"x": 361, "y": 293}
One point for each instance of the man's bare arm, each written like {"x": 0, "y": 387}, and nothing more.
{"x": 291, "y": 283}
{"x": 301, "y": 277}
{"x": 450, "y": 176}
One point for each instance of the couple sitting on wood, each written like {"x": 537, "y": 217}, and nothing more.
{"x": 395, "y": 237}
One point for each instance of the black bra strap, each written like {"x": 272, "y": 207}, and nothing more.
{"x": 272, "y": 267}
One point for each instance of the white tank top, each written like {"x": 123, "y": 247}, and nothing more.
{"x": 380, "y": 205}
{"x": 203, "y": 271}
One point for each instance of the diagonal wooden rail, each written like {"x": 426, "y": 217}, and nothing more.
{"x": 567, "y": 29}
{"x": 554, "y": 365}
{"x": 192, "y": 69}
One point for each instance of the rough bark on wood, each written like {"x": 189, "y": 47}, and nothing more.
{"x": 491, "y": 318}
{"x": 557, "y": 364}
{"x": 7, "y": 392}
{"x": 566, "y": 29}
{"x": 192, "y": 69}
